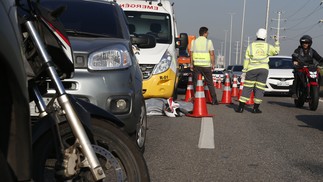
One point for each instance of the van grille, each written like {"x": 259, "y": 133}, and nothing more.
{"x": 146, "y": 70}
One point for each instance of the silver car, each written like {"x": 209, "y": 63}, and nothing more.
{"x": 107, "y": 73}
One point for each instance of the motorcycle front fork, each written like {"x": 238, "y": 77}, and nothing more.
{"x": 71, "y": 115}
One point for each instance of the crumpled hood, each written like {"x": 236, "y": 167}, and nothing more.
{"x": 152, "y": 55}
{"x": 281, "y": 73}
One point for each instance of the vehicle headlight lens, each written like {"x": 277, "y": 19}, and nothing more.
{"x": 109, "y": 59}
{"x": 164, "y": 63}
{"x": 313, "y": 74}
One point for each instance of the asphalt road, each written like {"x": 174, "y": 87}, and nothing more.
{"x": 284, "y": 143}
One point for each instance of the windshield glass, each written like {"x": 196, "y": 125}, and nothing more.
{"x": 237, "y": 68}
{"x": 88, "y": 17}
{"x": 280, "y": 63}
{"x": 156, "y": 24}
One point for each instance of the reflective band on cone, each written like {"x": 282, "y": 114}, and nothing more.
{"x": 199, "y": 108}
{"x": 234, "y": 91}
{"x": 189, "y": 90}
{"x": 226, "y": 95}
{"x": 240, "y": 89}
{"x": 219, "y": 85}
{"x": 214, "y": 77}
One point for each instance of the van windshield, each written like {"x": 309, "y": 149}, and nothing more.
{"x": 82, "y": 18}
{"x": 156, "y": 24}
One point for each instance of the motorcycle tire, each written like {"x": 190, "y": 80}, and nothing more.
{"x": 314, "y": 101}
{"x": 301, "y": 97}
{"x": 121, "y": 149}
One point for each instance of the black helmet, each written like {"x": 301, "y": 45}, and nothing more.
{"x": 305, "y": 38}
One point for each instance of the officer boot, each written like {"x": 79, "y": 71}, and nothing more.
{"x": 256, "y": 109}
{"x": 240, "y": 108}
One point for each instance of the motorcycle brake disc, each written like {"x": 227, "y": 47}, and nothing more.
{"x": 110, "y": 162}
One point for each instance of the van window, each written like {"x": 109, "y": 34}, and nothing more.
{"x": 156, "y": 24}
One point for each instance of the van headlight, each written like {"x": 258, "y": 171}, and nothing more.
{"x": 116, "y": 57}
{"x": 164, "y": 63}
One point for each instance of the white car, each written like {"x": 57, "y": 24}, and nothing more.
{"x": 280, "y": 77}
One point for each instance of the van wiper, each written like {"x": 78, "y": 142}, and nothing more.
{"x": 74, "y": 32}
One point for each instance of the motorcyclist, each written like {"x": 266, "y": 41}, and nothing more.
{"x": 303, "y": 55}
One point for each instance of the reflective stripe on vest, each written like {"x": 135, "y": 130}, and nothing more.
{"x": 260, "y": 58}
{"x": 201, "y": 57}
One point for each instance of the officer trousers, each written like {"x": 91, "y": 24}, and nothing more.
{"x": 255, "y": 81}
{"x": 207, "y": 73}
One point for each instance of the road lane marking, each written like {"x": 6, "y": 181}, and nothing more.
{"x": 206, "y": 140}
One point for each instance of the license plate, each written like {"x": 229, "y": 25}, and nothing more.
{"x": 283, "y": 84}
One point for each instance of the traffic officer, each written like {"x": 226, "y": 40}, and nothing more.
{"x": 203, "y": 61}
{"x": 256, "y": 67}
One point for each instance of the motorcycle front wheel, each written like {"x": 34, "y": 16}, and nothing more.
{"x": 118, "y": 155}
{"x": 301, "y": 96}
{"x": 314, "y": 100}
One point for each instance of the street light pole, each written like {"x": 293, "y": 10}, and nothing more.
{"x": 267, "y": 16}
{"x": 242, "y": 27}
{"x": 231, "y": 15}
{"x": 222, "y": 48}
{"x": 225, "y": 47}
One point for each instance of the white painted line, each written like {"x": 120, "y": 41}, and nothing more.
{"x": 207, "y": 133}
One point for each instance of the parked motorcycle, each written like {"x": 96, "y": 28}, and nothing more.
{"x": 308, "y": 87}
{"x": 71, "y": 139}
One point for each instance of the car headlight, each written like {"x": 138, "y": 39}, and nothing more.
{"x": 164, "y": 63}
{"x": 116, "y": 57}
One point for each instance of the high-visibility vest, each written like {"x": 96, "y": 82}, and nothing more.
{"x": 201, "y": 54}
{"x": 257, "y": 55}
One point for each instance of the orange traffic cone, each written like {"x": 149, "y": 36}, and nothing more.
{"x": 214, "y": 80}
{"x": 189, "y": 90}
{"x": 208, "y": 97}
{"x": 251, "y": 101}
{"x": 240, "y": 89}
{"x": 199, "y": 108}
{"x": 234, "y": 90}
{"x": 226, "y": 96}
{"x": 219, "y": 86}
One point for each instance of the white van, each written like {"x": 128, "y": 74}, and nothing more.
{"x": 159, "y": 64}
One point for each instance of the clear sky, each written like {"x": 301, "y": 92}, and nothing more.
{"x": 298, "y": 17}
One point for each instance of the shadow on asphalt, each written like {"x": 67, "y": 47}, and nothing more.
{"x": 284, "y": 104}
{"x": 311, "y": 121}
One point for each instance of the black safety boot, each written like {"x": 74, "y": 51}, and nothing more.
{"x": 215, "y": 102}
{"x": 256, "y": 109}
{"x": 240, "y": 108}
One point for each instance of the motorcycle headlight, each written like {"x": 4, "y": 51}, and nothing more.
{"x": 164, "y": 63}
{"x": 313, "y": 74}
{"x": 116, "y": 57}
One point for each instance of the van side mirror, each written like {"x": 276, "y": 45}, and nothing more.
{"x": 182, "y": 41}
{"x": 143, "y": 40}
